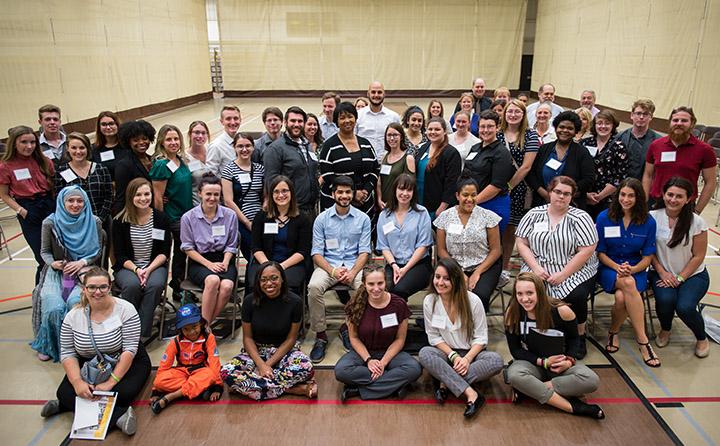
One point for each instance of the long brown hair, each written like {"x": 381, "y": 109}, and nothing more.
{"x": 272, "y": 208}
{"x": 543, "y": 307}
{"x": 355, "y": 308}
{"x": 459, "y": 294}
{"x": 100, "y": 139}
{"x": 520, "y": 143}
{"x": 404, "y": 181}
{"x": 11, "y": 151}
{"x": 434, "y": 159}
{"x": 639, "y": 212}
{"x": 129, "y": 213}
{"x": 685, "y": 219}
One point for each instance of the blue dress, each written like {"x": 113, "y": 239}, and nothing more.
{"x": 630, "y": 246}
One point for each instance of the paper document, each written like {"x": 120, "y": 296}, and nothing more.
{"x": 93, "y": 417}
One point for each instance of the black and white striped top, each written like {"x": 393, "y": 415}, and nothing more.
{"x": 247, "y": 195}
{"x": 120, "y": 332}
{"x": 142, "y": 241}
{"x": 553, "y": 247}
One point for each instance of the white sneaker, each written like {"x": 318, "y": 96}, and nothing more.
{"x": 504, "y": 279}
{"x": 127, "y": 423}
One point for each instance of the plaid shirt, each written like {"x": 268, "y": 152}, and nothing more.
{"x": 98, "y": 186}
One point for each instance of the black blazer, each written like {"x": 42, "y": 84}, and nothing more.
{"x": 579, "y": 166}
{"x": 441, "y": 181}
{"x": 299, "y": 236}
{"x": 126, "y": 170}
{"x": 122, "y": 245}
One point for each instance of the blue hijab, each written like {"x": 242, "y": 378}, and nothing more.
{"x": 77, "y": 233}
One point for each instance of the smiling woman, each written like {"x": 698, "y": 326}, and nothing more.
{"x": 135, "y": 136}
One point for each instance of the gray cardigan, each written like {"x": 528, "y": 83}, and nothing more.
{"x": 51, "y": 249}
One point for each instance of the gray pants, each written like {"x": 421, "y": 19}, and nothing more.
{"x": 401, "y": 370}
{"x": 144, "y": 299}
{"x": 530, "y": 379}
{"x": 485, "y": 365}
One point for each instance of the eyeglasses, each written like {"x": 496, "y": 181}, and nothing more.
{"x": 199, "y": 132}
{"x": 93, "y": 288}
{"x": 393, "y": 135}
{"x": 107, "y": 124}
{"x": 561, "y": 193}
{"x": 514, "y": 112}
{"x": 281, "y": 191}
{"x": 270, "y": 279}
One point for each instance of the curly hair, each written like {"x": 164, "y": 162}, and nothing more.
{"x": 355, "y": 308}
{"x": 133, "y": 129}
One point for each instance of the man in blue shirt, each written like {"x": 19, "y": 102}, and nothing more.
{"x": 340, "y": 250}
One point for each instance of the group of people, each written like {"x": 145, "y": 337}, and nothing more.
{"x": 571, "y": 193}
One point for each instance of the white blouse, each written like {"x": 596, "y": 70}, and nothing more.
{"x": 675, "y": 259}
{"x": 467, "y": 244}
{"x": 439, "y": 328}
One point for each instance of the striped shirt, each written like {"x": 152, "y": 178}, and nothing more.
{"x": 142, "y": 242}
{"x": 247, "y": 187}
{"x": 120, "y": 332}
{"x": 553, "y": 247}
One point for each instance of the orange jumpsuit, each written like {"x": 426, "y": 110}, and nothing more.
{"x": 198, "y": 368}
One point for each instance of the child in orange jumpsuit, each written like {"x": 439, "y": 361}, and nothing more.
{"x": 198, "y": 364}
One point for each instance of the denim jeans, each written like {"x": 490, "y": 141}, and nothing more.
{"x": 682, "y": 300}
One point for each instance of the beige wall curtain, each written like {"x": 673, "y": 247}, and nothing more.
{"x": 665, "y": 50}
{"x": 86, "y": 56}
{"x": 325, "y": 45}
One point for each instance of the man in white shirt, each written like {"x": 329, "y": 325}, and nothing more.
{"x": 52, "y": 138}
{"x": 220, "y": 151}
{"x": 546, "y": 93}
{"x": 330, "y": 100}
{"x": 587, "y": 100}
{"x": 373, "y": 120}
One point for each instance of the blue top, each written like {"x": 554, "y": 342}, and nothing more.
{"x": 280, "y": 251}
{"x": 340, "y": 240}
{"x": 403, "y": 240}
{"x": 631, "y": 245}
{"x": 420, "y": 180}
{"x": 548, "y": 173}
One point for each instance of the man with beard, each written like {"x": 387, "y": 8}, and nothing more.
{"x": 587, "y": 100}
{"x": 290, "y": 155}
{"x": 272, "y": 119}
{"x": 638, "y": 138}
{"x": 340, "y": 250}
{"x": 373, "y": 120}
{"x": 221, "y": 151}
{"x": 680, "y": 154}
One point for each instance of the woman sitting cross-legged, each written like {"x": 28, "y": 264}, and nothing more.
{"x": 270, "y": 362}
{"x": 377, "y": 323}
{"x": 557, "y": 379}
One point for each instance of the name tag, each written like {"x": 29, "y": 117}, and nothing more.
{"x": 455, "y": 228}
{"x": 389, "y": 320}
{"x": 271, "y": 228}
{"x": 471, "y": 156}
{"x": 158, "y": 234}
{"x": 194, "y": 165}
{"x": 172, "y": 167}
{"x": 553, "y": 164}
{"x": 541, "y": 226}
{"x": 111, "y": 323}
{"x": 385, "y": 169}
{"x": 438, "y": 321}
{"x": 612, "y": 231}
{"x": 388, "y": 227}
{"x": 425, "y": 155}
{"x": 312, "y": 155}
{"x": 22, "y": 174}
{"x": 107, "y": 155}
{"x": 668, "y": 157}
{"x": 218, "y": 231}
{"x": 332, "y": 243}
{"x": 526, "y": 326}
{"x": 663, "y": 233}
{"x": 592, "y": 150}
{"x": 49, "y": 154}
{"x": 68, "y": 175}
{"x": 244, "y": 178}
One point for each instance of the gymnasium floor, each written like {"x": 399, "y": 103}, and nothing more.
{"x": 675, "y": 403}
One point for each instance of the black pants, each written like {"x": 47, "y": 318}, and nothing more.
{"x": 577, "y": 299}
{"x": 487, "y": 283}
{"x": 413, "y": 281}
{"x": 37, "y": 210}
{"x": 178, "y": 258}
{"x": 127, "y": 389}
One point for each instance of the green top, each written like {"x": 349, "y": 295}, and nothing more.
{"x": 178, "y": 189}
{"x": 387, "y": 181}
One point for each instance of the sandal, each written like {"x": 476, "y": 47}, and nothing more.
{"x": 157, "y": 406}
{"x": 651, "y": 355}
{"x": 312, "y": 389}
{"x": 611, "y": 347}
{"x": 517, "y": 396}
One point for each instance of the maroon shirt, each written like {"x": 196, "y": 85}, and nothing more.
{"x": 690, "y": 159}
{"x": 370, "y": 329}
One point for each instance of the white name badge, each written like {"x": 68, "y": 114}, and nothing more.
{"x": 471, "y": 156}
{"x": 668, "y": 157}
{"x": 218, "y": 231}
{"x": 541, "y": 226}
{"x": 49, "y": 154}
{"x": 553, "y": 164}
{"x": 385, "y": 169}
{"x": 455, "y": 228}
{"x": 172, "y": 167}
{"x": 158, "y": 234}
{"x": 592, "y": 150}
{"x": 388, "y": 227}
{"x": 332, "y": 243}
{"x": 313, "y": 156}
{"x": 68, "y": 175}
{"x": 194, "y": 165}
{"x": 612, "y": 231}
{"x": 388, "y": 320}
{"x": 244, "y": 178}
{"x": 438, "y": 321}
{"x": 526, "y": 326}
{"x": 22, "y": 174}
{"x": 107, "y": 155}
{"x": 271, "y": 228}
{"x": 425, "y": 155}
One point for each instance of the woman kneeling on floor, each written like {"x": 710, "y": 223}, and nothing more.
{"x": 271, "y": 362}
{"x": 198, "y": 363}
{"x": 457, "y": 330}
{"x": 557, "y": 379}
{"x": 377, "y": 323}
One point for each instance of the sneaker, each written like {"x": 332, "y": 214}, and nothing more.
{"x": 127, "y": 423}
{"x": 50, "y": 408}
{"x": 504, "y": 279}
{"x": 317, "y": 354}
{"x": 345, "y": 338}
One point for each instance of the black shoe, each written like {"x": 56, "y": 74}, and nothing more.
{"x": 441, "y": 394}
{"x": 472, "y": 408}
{"x": 583, "y": 409}
{"x": 177, "y": 296}
{"x": 317, "y": 354}
{"x": 582, "y": 351}
{"x": 420, "y": 323}
{"x": 403, "y": 391}
{"x": 349, "y": 392}
{"x": 345, "y": 338}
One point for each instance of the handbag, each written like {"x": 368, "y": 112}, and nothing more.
{"x": 98, "y": 369}
{"x": 528, "y": 199}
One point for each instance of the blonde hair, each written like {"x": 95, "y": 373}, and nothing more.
{"x": 160, "y": 151}
{"x": 94, "y": 271}
{"x": 523, "y": 124}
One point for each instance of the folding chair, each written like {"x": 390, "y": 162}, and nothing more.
{"x": 3, "y": 239}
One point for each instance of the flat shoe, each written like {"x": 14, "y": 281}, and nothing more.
{"x": 472, "y": 407}
{"x": 441, "y": 394}
{"x": 127, "y": 423}
{"x": 702, "y": 352}
{"x": 157, "y": 407}
{"x": 312, "y": 389}
{"x": 662, "y": 343}
{"x": 50, "y": 408}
